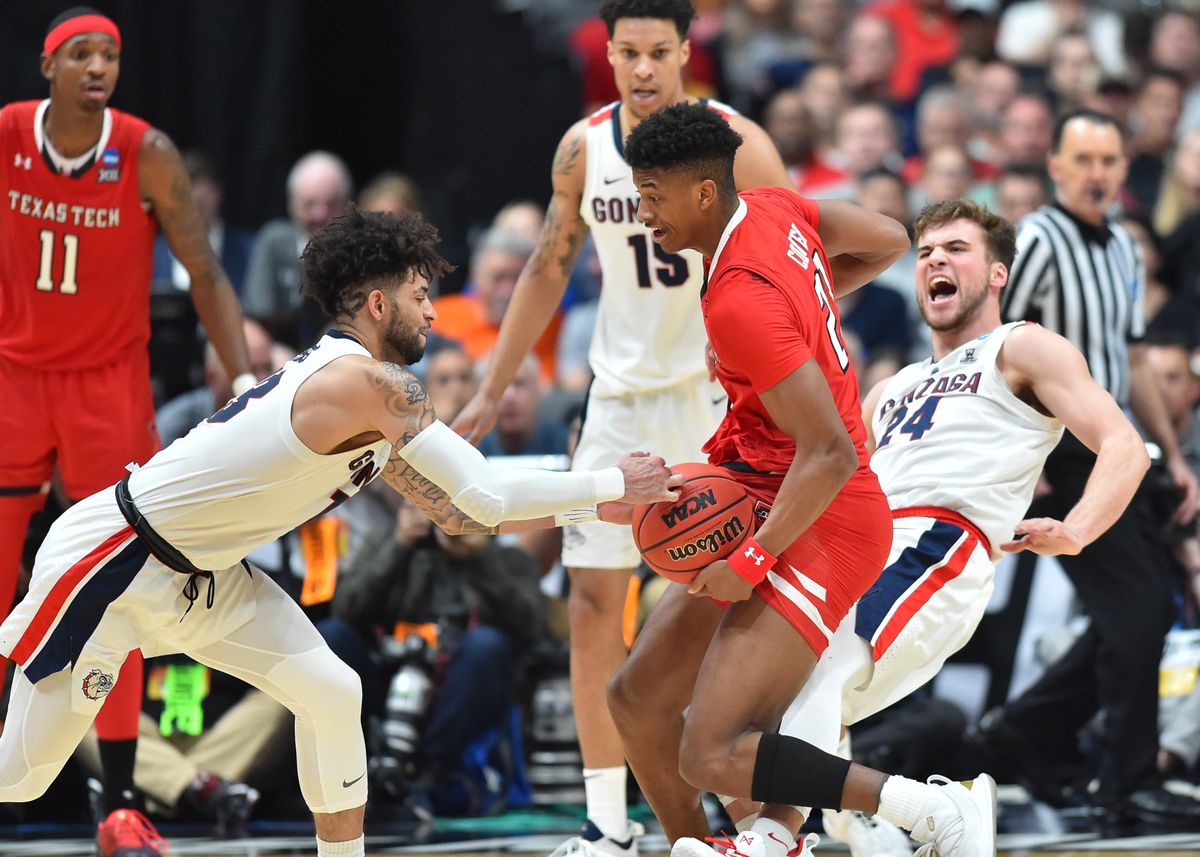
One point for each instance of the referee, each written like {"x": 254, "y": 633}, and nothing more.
{"x": 1081, "y": 276}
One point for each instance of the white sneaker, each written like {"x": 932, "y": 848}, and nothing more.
{"x": 592, "y": 843}
{"x": 867, "y": 835}
{"x": 748, "y": 843}
{"x": 957, "y": 821}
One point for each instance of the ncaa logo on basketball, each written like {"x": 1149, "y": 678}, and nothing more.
{"x": 689, "y": 506}
{"x": 96, "y": 684}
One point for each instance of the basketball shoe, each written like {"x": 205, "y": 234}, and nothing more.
{"x": 592, "y": 843}
{"x": 128, "y": 833}
{"x": 748, "y": 843}
{"x": 957, "y": 821}
{"x": 867, "y": 835}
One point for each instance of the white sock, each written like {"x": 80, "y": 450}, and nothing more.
{"x": 348, "y": 848}
{"x": 606, "y": 807}
{"x": 777, "y": 839}
{"x": 901, "y": 800}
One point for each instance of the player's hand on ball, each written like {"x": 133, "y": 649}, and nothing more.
{"x": 1044, "y": 536}
{"x": 647, "y": 479}
{"x": 717, "y": 580}
{"x": 615, "y": 512}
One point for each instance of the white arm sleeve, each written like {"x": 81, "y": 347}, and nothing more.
{"x": 491, "y": 494}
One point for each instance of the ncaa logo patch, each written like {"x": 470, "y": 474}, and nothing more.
{"x": 96, "y": 684}
{"x": 110, "y": 157}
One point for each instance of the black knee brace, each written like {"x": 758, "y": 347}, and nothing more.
{"x": 794, "y": 772}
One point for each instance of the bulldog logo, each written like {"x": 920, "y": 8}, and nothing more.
{"x": 97, "y": 684}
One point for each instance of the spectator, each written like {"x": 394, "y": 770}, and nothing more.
{"x": 1157, "y": 293}
{"x": 825, "y": 92}
{"x": 520, "y": 429}
{"x": 484, "y": 600}
{"x": 449, "y": 381}
{"x": 947, "y": 175}
{"x": 1175, "y": 45}
{"x": 522, "y": 216}
{"x": 1028, "y": 31}
{"x": 1072, "y": 74}
{"x": 1152, "y": 122}
{"x": 473, "y": 317}
{"x": 1027, "y": 132}
{"x": 820, "y": 22}
{"x": 790, "y": 127}
{"x": 231, "y": 245}
{"x": 318, "y": 189}
{"x": 1021, "y": 189}
{"x": 180, "y": 415}
{"x": 926, "y": 36}
{"x": 392, "y": 193}
{"x": 942, "y": 120}
{"x": 870, "y": 57}
{"x": 996, "y": 85}
{"x": 758, "y": 36}
{"x": 867, "y": 138}
{"x": 1180, "y": 194}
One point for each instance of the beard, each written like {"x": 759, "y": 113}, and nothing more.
{"x": 405, "y": 342}
{"x": 966, "y": 309}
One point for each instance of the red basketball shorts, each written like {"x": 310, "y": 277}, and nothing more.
{"x": 819, "y": 576}
{"x": 92, "y": 422}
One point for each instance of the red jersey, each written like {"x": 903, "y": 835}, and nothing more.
{"x": 75, "y": 250}
{"x": 769, "y": 308}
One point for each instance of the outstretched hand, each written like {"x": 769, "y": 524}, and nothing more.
{"x": 1044, "y": 536}
{"x": 647, "y": 479}
{"x": 717, "y": 580}
{"x": 476, "y": 419}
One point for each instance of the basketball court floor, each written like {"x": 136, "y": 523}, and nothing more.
{"x": 1026, "y": 830}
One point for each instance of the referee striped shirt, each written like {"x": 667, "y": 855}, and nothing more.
{"x": 1084, "y": 282}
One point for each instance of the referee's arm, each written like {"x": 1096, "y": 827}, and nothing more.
{"x": 1032, "y": 276}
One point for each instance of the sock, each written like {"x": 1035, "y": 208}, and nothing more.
{"x": 116, "y": 765}
{"x": 349, "y": 848}
{"x": 901, "y": 800}
{"x": 777, "y": 839}
{"x": 605, "y": 791}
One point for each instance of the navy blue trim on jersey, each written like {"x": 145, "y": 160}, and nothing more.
{"x": 933, "y": 547}
{"x": 616, "y": 126}
{"x": 341, "y": 334}
{"x": 80, "y": 619}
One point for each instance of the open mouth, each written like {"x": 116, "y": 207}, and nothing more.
{"x": 657, "y": 234}
{"x": 941, "y": 289}
{"x": 643, "y": 93}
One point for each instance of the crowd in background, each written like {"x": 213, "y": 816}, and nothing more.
{"x": 893, "y": 104}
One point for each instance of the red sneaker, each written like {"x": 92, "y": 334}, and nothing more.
{"x": 128, "y": 833}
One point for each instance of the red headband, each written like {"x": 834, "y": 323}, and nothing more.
{"x": 80, "y": 24}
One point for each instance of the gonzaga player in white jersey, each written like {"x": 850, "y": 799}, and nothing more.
{"x": 958, "y": 443}
{"x": 156, "y": 561}
{"x": 651, "y": 387}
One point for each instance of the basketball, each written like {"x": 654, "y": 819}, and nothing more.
{"x": 711, "y": 517}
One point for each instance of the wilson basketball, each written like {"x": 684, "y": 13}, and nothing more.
{"x": 711, "y": 517}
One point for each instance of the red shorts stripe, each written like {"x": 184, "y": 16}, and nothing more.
{"x": 43, "y": 620}
{"x": 935, "y": 581}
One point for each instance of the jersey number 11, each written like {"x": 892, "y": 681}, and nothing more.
{"x": 67, "y": 286}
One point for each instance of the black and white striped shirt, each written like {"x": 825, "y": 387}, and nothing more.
{"x": 1084, "y": 282}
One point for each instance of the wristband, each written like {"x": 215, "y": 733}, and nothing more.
{"x": 576, "y": 516}
{"x": 243, "y": 382}
{"x": 751, "y": 561}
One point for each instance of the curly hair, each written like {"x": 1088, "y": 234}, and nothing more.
{"x": 689, "y": 137}
{"x": 347, "y": 258}
{"x": 678, "y": 11}
{"x": 999, "y": 235}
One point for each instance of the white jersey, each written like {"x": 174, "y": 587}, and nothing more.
{"x": 649, "y": 330}
{"x": 243, "y": 478}
{"x": 952, "y": 435}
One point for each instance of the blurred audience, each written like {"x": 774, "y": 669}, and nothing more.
{"x": 520, "y": 428}
{"x": 318, "y": 188}
{"x": 392, "y": 193}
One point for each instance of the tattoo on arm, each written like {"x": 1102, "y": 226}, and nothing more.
{"x": 175, "y": 210}
{"x": 405, "y": 397}
{"x": 567, "y": 156}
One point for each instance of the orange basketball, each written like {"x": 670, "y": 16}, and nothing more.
{"x": 711, "y": 517}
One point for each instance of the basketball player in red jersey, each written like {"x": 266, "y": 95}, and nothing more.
{"x": 794, "y": 437}
{"x": 83, "y": 189}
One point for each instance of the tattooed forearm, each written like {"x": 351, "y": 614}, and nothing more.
{"x": 404, "y": 397}
{"x": 430, "y": 499}
{"x": 562, "y": 236}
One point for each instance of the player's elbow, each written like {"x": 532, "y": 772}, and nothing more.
{"x": 838, "y": 457}
{"x": 894, "y": 237}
